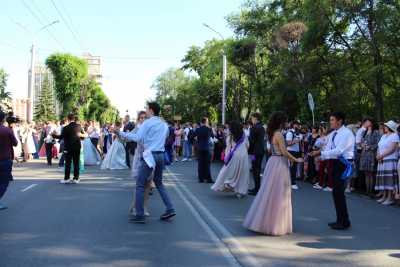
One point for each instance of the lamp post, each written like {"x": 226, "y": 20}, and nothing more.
{"x": 31, "y": 82}
{"x": 224, "y": 73}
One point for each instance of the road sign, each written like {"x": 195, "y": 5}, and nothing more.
{"x": 311, "y": 103}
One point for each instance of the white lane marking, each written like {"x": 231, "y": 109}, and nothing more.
{"x": 229, "y": 242}
{"x": 218, "y": 242}
{"x": 29, "y": 187}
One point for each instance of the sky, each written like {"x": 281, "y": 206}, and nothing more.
{"x": 136, "y": 39}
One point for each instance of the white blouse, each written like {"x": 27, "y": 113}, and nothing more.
{"x": 386, "y": 143}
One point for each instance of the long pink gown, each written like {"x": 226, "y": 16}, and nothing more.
{"x": 271, "y": 210}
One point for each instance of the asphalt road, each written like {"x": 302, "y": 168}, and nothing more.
{"x": 49, "y": 224}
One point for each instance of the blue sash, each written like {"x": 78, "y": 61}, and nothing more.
{"x": 347, "y": 174}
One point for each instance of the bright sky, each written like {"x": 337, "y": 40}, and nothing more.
{"x": 137, "y": 39}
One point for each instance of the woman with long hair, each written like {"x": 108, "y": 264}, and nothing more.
{"x": 234, "y": 175}
{"x": 271, "y": 210}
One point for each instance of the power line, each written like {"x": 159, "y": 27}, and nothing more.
{"x": 41, "y": 22}
{"x": 71, "y": 22}
{"x": 67, "y": 24}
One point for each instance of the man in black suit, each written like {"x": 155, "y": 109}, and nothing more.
{"x": 203, "y": 135}
{"x": 256, "y": 149}
{"x": 130, "y": 147}
{"x": 71, "y": 134}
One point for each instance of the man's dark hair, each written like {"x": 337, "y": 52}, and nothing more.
{"x": 155, "y": 107}
{"x": 340, "y": 116}
{"x": 71, "y": 117}
{"x": 204, "y": 120}
{"x": 2, "y": 116}
{"x": 256, "y": 115}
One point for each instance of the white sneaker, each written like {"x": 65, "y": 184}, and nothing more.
{"x": 388, "y": 202}
{"x": 76, "y": 181}
{"x": 295, "y": 187}
{"x": 381, "y": 200}
{"x": 347, "y": 190}
{"x": 317, "y": 186}
{"x": 189, "y": 159}
{"x": 63, "y": 181}
{"x": 328, "y": 189}
{"x": 184, "y": 159}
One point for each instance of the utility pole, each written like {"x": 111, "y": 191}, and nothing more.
{"x": 31, "y": 85}
{"x": 31, "y": 82}
{"x": 224, "y": 74}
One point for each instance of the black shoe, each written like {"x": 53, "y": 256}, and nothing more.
{"x": 137, "y": 219}
{"x": 201, "y": 181}
{"x": 332, "y": 223}
{"x": 340, "y": 226}
{"x": 252, "y": 192}
{"x": 210, "y": 181}
{"x": 168, "y": 215}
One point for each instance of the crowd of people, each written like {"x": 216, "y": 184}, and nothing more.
{"x": 333, "y": 156}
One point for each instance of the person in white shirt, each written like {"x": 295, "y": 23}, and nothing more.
{"x": 340, "y": 144}
{"x": 187, "y": 142}
{"x": 293, "y": 140}
{"x": 153, "y": 134}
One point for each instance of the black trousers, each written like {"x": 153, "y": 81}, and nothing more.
{"x": 339, "y": 197}
{"x": 95, "y": 141}
{"x": 256, "y": 167}
{"x": 72, "y": 156}
{"x": 203, "y": 168}
{"x": 49, "y": 152}
{"x": 3, "y": 187}
{"x": 293, "y": 167}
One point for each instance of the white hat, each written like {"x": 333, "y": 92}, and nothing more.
{"x": 392, "y": 125}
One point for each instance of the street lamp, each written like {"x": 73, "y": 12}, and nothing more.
{"x": 224, "y": 73}
{"x": 32, "y": 70}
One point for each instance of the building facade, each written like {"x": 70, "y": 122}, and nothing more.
{"x": 41, "y": 74}
{"x": 20, "y": 108}
{"x": 94, "y": 67}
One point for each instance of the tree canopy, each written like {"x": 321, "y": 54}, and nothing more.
{"x": 343, "y": 52}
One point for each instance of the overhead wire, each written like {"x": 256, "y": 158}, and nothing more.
{"x": 68, "y": 26}
{"x": 42, "y": 23}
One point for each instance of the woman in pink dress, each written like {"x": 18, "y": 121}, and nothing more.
{"x": 271, "y": 210}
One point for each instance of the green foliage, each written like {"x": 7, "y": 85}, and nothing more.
{"x": 77, "y": 92}
{"x": 5, "y": 97}
{"x": 343, "y": 52}
{"x": 45, "y": 108}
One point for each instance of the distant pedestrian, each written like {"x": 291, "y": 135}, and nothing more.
{"x": 203, "y": 135}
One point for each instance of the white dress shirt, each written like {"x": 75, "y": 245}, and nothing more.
{"x": 152, "y": 133}
{"x": 341, "y": 142}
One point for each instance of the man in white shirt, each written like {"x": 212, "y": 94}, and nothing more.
{"x": 187, "y": 143}
{"x": 293, "y": 140}
{"x": 153, "y": 133}
{"x": 341, "y": 143}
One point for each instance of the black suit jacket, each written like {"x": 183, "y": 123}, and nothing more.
{"x": 203, "y": 135}
{"x": 70, "y": 135}
{"x": 257, "y": 139}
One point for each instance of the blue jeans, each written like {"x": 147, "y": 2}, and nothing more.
{"x": 143, "y": 177}
{"x": 187, "y": 149}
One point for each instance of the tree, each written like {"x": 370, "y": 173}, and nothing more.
{"x": 45, "y": 108}
{"x": 70, "y": 73}
{"x": 5, "y": 97}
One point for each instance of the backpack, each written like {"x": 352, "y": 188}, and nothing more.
{"x": 191, "y": 136}
{"x": 171, "y": 137}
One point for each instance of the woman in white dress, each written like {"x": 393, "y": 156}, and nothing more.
{"x": 28, "y": 144}
{"x": 234, "y": 175}
{"x": 91, "y": 155}
{"x": 115, "y": 158}
{"x": 135, "y": 168}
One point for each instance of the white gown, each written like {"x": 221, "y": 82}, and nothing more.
{"x": 91, "y": 155}
{"x": 116, "y": 157}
